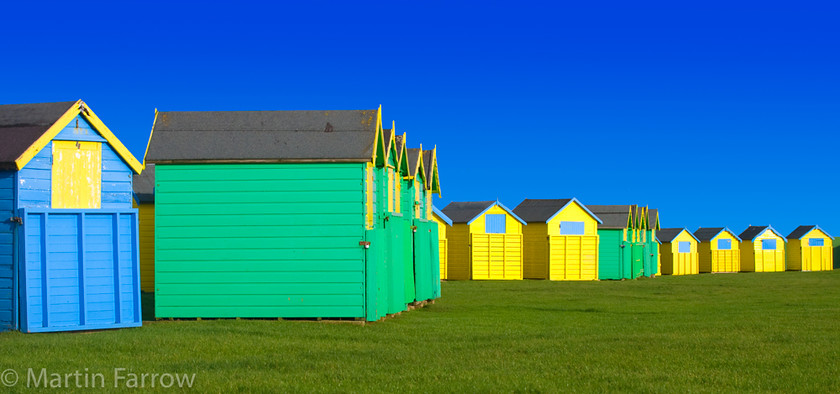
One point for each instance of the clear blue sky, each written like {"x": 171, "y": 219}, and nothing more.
{"x": 719, "y": 114}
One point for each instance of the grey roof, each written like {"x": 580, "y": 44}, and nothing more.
{"x": 413, "y": 155}
{"x": 668, "y": 234}
{"x": 427, "y": 166}
{"x": 705, "y": 234}
{"x": 22, "y": 124}
{"x": 800, "y": 232}
{"x": 653, "y": 217}
{"x": 753, "y": 231}
{"x": 539, "y": 210}
{"x": 398, "y": 139}
{"x": 277, "y": 136}
{"x": 612, "y": 216}
{"x": 463, "y": 212}
{"x": 144, "y": 184}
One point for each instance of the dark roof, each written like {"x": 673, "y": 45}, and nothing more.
{"x": 668, "y": 234}
{"x": 427, "y": 166}
{"x": 539, "y": 210}
{"x": 653, "y": 217}
{"x": 263, "y": 135}
{"x": 800, "y": 232}
{"x": 399, "y": 140}
{"x": 612, "y": 216}
{"x": 705, "y": 234}
{"x": 753, "y": 231}
{"x": 463, "y": 212}
{"x": 22, "y": 124}
{"x": 413, "y": 154}
{"x": 144, "y": 184}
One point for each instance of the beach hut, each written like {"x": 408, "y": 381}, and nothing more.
{"x": 444, "y": 223}
{"x": 810, "y": 248}
{"x": 273, "y": 214}
{"x": 678, "y": 251}
{"x": 762, "y": 249}
{"x": 144, "y": 201}
{"x": 718, "y": 250}
{"x": 426, "y": 253}
{"x": 485, "y": 241}
{"x": 68, "y": 234}
{"x": 560, "y": 241}
{"x": 651, "y": 255}
{"x": 616, "y": 234}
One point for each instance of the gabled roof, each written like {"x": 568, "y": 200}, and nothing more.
{"x": 612, "y": 216}
{"x": 401, "y": 154}
{"x": 25, "y": 129}
{"x": 441, "y": 215}
{"x": 468, "y": 211}
{"x": 144, "y": 185}
{"x": 653, "y": 217}
{"x": 706, "y": 234}
{"x": 754, "y": 231}
{"x": 668, "y": 234}
{"x": 430, "y": 165}
{"x": 543, "y": 210}
{"x": 267, "y": 136}
{"x": 802, "y": 231}
{"x": 415, "y": 164}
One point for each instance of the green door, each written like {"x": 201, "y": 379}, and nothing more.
{"x": 637, "y": 262}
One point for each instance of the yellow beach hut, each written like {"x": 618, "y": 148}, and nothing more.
{"x": 762, "y": 250}
{"x": 485, "y": 241}
{"x": 560, "y": 241}
{"x": 678, "y": 251}
{"x": 718, "y": 250}
{"x": 144, "y": 200}
{"x": 810, "y": 248}
{"x": 444, "y": 224}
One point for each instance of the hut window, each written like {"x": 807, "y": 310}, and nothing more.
{"x": 724, "y": 244}
{"x": 816, "y": 242}
{"x": 494, "y": 223}
{"x": 77, "y": 174}
{"x": 684, "y": 247}
{"x": 768, "y": 244}
{"x": 572, "y": 228}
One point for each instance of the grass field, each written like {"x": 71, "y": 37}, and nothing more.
{"x": 725, "y": 332}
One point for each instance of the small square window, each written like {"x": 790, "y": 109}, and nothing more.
{"x": 816, "y": 242}
{"x": 494, "y": 223}
{"x": 724, "y": 244}
{"x": 768, "y": 244}
{"x": 685, "y": 247}
{"x": 572, "y": 228}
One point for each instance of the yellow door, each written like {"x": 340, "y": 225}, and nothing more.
{"x": 573, "y": 257}
{"x": 77, "y": 174}
{"x": 496, "y": 256}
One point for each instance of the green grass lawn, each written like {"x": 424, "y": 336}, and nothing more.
{"x": 725, "y": 332}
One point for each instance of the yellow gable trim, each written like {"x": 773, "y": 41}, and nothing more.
{"x": 79, "y": 108}
{"x": 149, "y": 142}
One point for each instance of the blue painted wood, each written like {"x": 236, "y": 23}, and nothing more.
{"x": 684, "y": 247}
{"x": 768, "y": 244}
{"x": 34, "y": 181}
{"x": 816, "y": 242}
{"x": 7, "y": 249}
{"x": 725, "y": 244}
{"x": 81, "y": 269}
{"x": 79, "y": 130}
{"x": 494, "y": 223}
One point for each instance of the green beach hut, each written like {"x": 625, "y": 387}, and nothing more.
{"x": 617, "y": 234}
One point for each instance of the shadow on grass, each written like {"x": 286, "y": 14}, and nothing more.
{"x": 148, "y": 306}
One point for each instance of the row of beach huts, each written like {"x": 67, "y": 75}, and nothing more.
{"x": 294, "y": 214}
{"x": 563, "y": 239}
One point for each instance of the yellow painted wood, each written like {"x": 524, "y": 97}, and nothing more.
{"x": 713, "y": 259}
{"x": 754, "y": 259}
{"x": 146, "y": 215}
{"x": 443, "y": 228}
{"x": 496, "y": 256}
{"x": 512, "y": 226}
{"x": 369, "y": 214}
{"x": 675, "y": 263}
{"x": 77, "y": 174}
{"x": 573, "y": 257}
{"x": 549, "y": 255}
{"x": 458, "y": 260}
{"x": 802, "y": 257}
